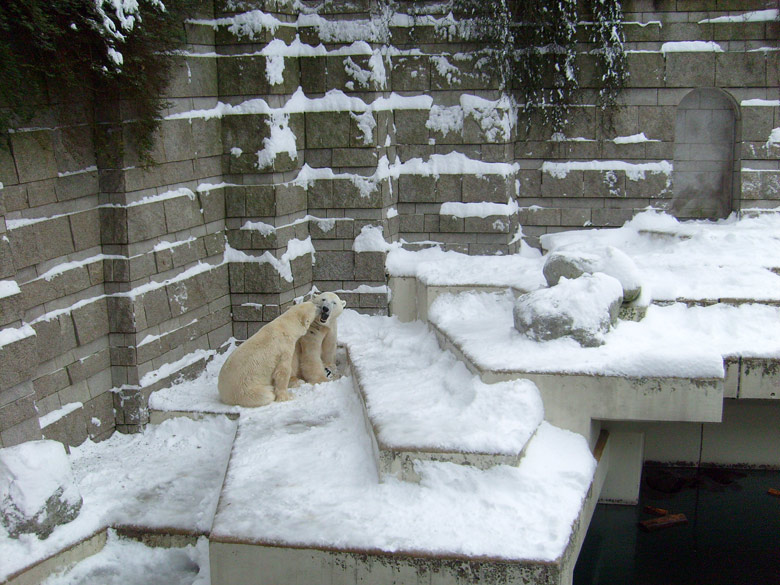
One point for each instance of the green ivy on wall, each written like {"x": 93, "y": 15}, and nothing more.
{"x": 536, "y": 46}
{"x": 88, "y": 49}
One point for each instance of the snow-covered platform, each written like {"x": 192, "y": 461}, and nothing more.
{"x": 423, "y": 404}
{"x": 407, "y": 468}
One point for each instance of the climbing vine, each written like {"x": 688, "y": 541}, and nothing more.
{"x": 537, "y": 48}
{"x": 57, "y": 50}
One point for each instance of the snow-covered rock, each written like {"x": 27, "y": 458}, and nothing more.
{"x": 609, "y": 260}
{"x": 583, "y": 308}
{"x": 37, "y": 488}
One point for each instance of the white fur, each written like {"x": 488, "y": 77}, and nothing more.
{"x": 258, "y": 371}
{"x": 315, "y": 352}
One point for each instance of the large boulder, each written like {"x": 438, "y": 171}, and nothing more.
{"x": 37, "y": 489}
{"x": 583, "y": 308}
{"x": 571, "y": 263}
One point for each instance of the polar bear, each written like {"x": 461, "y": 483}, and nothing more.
{"x": 315, "y": 353}
{"x": 258, "y": 371}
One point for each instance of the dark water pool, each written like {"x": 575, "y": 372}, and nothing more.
{"x": 732, "y": 536}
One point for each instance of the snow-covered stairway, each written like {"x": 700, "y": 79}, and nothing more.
{"x": 314, "y": 490}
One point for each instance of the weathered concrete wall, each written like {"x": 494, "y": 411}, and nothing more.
{"x": 118, "y": 278}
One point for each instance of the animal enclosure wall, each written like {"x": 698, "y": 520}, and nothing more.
{"x": 290, "y": 130}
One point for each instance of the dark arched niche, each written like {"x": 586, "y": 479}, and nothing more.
{"x": 705, "y": 135}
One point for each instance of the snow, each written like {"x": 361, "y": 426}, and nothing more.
{"x": 9, "y": 288}
{"x": 168, "y": 477}
{"x": 13, "y": 334}
{"x": 760, "y": 103}
{"x": 295, "y": 249}
{"x": 691, "y": 47}
{"x": 329, "y": 495}
{"x": 55, "y": 415}
{"x": 633, "y": 139}
{"x": 774, "y": 138}
{"x": 481, "y": 209}
{"x": 31, "y": 472}
{"x": 435, "y": 267}
{"x": 128, "y": 562}
{"x": 282, "y": 139}
{"x": 370, "y": 239}
{"x": 419, "y": 397}
{"x": 671, "y": 341}
{"x": 729, "y": 259}
{"x": 754, "y": 16}
{"x": 634, "y": 171}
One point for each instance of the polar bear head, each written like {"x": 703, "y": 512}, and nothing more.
{"x": 329, "y": 307}
{"x": 300, "y": 317}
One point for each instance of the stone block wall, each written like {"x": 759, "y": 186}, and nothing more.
{"x": 292, "y": 128}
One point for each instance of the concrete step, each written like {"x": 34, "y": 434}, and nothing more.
{"x": 421, "y": 404}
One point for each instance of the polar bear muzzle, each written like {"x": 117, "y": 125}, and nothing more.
{"x": 324, "y": 314}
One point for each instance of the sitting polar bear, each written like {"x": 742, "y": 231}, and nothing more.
{"x": 314, "y": 360}
{"x": 258, "y": 371}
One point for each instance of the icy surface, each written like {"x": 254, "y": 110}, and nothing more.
{"x": 167, "y": 477}
{"x": 671, "y": 341}
{"x": 419, "y": 396}
{"x": 127, "y": 562}
{"x": 328, "y": 493}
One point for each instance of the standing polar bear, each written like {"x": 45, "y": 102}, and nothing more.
{"x": 315, "y": 353}
{"x": 258, "y": 371}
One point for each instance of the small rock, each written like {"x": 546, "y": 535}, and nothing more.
{"x": 584, "y": 309}
{"x": 37, "y": 489}
{"x": 568, "y": 263}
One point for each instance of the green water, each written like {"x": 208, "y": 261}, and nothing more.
{"x": 732, "y": 536}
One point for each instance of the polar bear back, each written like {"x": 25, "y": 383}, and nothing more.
{"x": 254, "y": 374}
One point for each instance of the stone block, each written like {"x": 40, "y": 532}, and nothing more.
{"x": 51, "y": 383}
{"x": 54, "y": 336}
{"x": 313, "y": 73}
{"x": 410, "y": 127}
{"x": 121, "y": 314}
{"x": 70, "y": 430}
{"x": 492, "y": 188}
{"x": 757, "y": 123}
{"x": 740, "y": 70}
{"x": 34, "y": 155}
{"x": 410, "y": 73}
{"x": 653, "y": 185}
{"x": 17, "y": 411}
{"x": 575, "y": 217}
{"x": 354, "y": 157}
{"x": 85, "y": 228}
{"x": 41, "y": 193}
{"x": 181, "y": 213}
{"x": 604, "y": 183}
{"x": 246, "y": 131}
{"x": 14, "y": 197}
{"x": 145, "y": 221}
{"x": 156, "y": 307}
{"x": 334, "y": 265}
{"x": 289, "y": 199}
{"x": 86, "y": 367}
{"x": 448, "y": 188}
{"x": 690, "y": 70}
{"x": 412, "y": 224}
{"x": 258, "y": 200}
{"x": 370, "y": 266}
{"x": 611, "y": 217}
{"x": 570, "y": 185}
{"x": 416, "y": 189}
{"x": 261, "y": 278}
{"x": 99, "y": 416}
{"x": 91, "y": 321}
{"x": 327, "y": 129}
